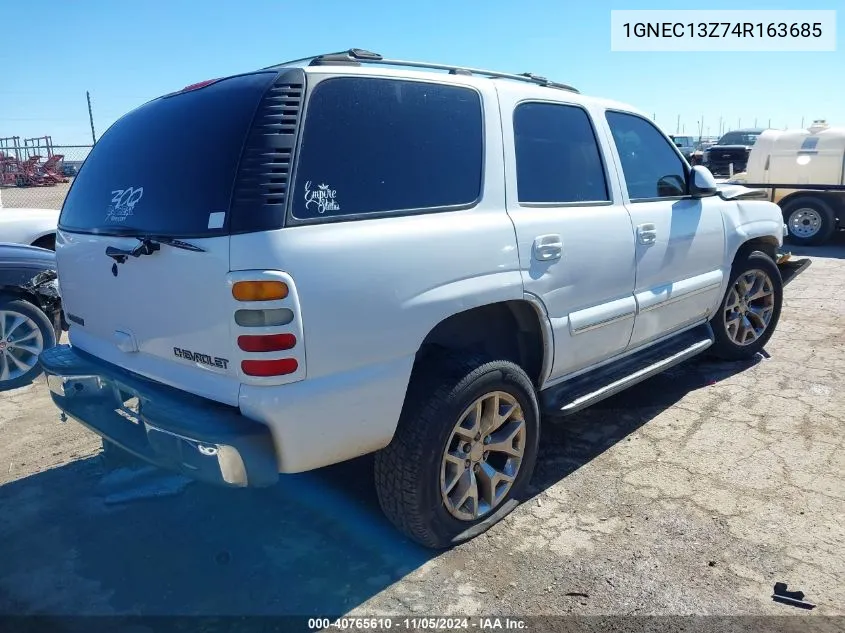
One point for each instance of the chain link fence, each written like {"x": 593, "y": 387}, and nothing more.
{"x": 38, "y": 176}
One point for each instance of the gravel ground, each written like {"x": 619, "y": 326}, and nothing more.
{"x": 34, "y": 197}
{"x": 692, "y": 493}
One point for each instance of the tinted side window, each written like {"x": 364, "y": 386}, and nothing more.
{"x": 372, "y": 145}
{"x": 557, "y": 156}
{"x": 651, "y": 167}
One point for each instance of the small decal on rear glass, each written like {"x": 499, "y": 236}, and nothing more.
{"x": 123, "y": 203}
{"x": 216, "y": 219}
{"x": 323, "y": 198}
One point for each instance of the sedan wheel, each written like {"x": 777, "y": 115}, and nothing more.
{"x": 25, "y": 332}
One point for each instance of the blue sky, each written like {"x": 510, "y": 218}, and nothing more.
{"x": 128, "y": 52}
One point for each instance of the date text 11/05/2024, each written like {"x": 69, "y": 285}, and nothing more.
{"x": 418, "y": 623}
{"x": 723, "y": 29}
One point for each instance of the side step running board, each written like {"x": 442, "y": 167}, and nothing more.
{"x": 585, "y": 390}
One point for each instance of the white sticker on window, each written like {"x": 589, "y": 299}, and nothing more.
{"x": 216, "y": 219}
{"x": 322, "y": 198}
{"x": 123, "y": 203}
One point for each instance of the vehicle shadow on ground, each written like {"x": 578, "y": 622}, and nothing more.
{"x": 833, "y": 249}
{"x": 571, "y": 442}
{"x": 315, "y": 544}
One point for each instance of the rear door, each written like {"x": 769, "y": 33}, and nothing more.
{"x": 166, "y": 170}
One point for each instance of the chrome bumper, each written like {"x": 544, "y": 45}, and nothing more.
{"x": 166, "y": 427}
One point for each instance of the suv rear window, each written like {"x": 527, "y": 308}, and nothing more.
{"x": 168, "y": 167}
{"x": 373, "y": 146}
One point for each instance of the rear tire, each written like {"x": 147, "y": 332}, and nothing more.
{"x": 750, "y": 309}
{"x": 810, "y": 221}
{"x": 439, "y": 452}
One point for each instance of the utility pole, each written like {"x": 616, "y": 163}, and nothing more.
{"x": 678, "y": 125}
{"x": 91, "y": 117}
{"x": 802, "y": 122}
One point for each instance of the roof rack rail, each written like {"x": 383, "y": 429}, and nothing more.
{"x": 358, "y": 56}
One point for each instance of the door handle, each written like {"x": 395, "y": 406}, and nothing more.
{"x": 548, "y": 247}
{"x": 647, "y": 233}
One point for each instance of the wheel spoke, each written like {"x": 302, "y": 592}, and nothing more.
{"x": 491, "y": 419}
{"x": 759, "y": 316}
{"x": 4, "y": 367}
{"x": 732, "y": 300}
{"x": 470, "y": 426}
{"x": 29, "y": 349}
{"x": 33, "y": 333}
{"x": 14, "y": 360}
{"x": 733, "y": 325}
{"x": 17, "y": 321}
{"x": 764, "y": 291}
{"x": 466, "y": 492}
{"x": 493, "y": 484}
{"x": 749, "y": 335}
{"x": 458, "y": 468}
{"x": 502, "y": 441}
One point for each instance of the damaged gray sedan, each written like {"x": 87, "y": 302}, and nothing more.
{"x": 31, "y": 318}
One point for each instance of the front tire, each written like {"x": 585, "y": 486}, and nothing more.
{"x": 750, "y": 310}
{"x": 809, "y": 221}
{"x": 25, "y": 332}
{"x": 464, "y": 449}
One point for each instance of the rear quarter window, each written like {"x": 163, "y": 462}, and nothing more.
{"x": 373, "y": 146}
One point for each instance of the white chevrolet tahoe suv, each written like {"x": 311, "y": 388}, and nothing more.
{"x": 289, "y": 268}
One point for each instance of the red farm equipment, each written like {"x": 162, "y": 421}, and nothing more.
{"x": 11, "y": 172}
{"x": 28, "y": 170}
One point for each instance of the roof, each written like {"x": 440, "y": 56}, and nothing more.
{"x": 355, "y": 62}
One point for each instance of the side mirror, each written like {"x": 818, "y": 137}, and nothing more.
{"x": 702, "y": 184}
{"x": 671, "y": 186}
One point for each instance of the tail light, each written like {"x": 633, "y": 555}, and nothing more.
{"x": 278, "y": 315}
{"x": 260, "y": 290}
{"x": 266, "y": 342}
{"x": 279, "y": 367}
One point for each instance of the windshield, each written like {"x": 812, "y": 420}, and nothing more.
{"x": 167, "y": 168}
{"x": 739, "y": 138}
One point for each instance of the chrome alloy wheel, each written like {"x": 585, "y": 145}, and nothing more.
{"x": 749, "y": 307}
{"x": 483, "y": 456}
{"x": 20, "y": 344}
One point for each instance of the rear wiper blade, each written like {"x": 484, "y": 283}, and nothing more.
{"x": 170, "y": 241}
{"x": 148, "y": 246}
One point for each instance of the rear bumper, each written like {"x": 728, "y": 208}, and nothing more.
{"x": 166, "y": 427}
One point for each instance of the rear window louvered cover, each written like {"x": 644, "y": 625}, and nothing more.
{"x": 264, "y": 174}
